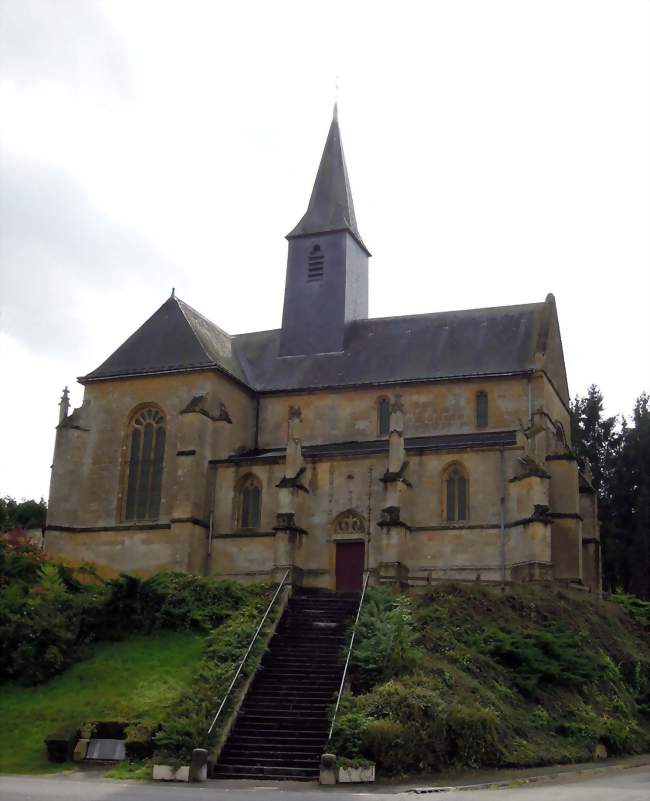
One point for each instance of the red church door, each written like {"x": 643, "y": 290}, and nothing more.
{"x": 350, "y": 558}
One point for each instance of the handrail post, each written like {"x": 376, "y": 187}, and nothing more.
{"x": 248, "y": 650}
{"x": 347, "y": 661}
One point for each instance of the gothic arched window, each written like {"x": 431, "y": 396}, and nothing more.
{"x": 383, "y": 417}
{"x": 481, "y": 409}
{"x": 455, "y": 492}
{"x": 250, "y": 502}
{"x": 145, "y": 467}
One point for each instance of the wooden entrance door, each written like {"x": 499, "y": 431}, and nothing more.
{"x": 350, "y": 558}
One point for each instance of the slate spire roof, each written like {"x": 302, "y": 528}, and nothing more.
{"x": 330, "y": 206}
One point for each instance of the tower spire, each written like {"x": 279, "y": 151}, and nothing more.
{"x": 330, "y": 206}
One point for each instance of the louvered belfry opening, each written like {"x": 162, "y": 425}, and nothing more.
{"x": 315, "y": 264}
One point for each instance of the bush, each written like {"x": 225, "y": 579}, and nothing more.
{"x": 616, "y": 735}
{"x": 186, "y": 724}
{"x": 542, "y": 656}
{"x": 472, "y": 738}
{"x": 395, "y": 747}
{"x": 349, "y": 733}
{"x": 385, "y": 640}
{"x": 139, "y": 741}
{"x": 48, "y": 617}
{"x": 181, "y": 601}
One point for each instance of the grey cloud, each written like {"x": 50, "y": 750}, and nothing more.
{"x": 70, "y": 41}
{"x": 54, "y": 246}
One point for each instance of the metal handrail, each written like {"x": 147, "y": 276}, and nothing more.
{"x": 347, "y": 661}
{"x": 248, "y": 650}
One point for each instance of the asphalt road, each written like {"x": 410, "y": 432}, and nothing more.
{"x": 632, "y": 784}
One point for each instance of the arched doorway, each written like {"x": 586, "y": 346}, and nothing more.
{"x": 350, "y": 545}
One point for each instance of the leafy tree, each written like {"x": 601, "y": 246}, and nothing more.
{"x": 21, "y": 514}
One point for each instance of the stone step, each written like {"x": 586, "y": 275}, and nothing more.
{"x": 288, "y": 741}
{"x": 234, "y": 771}
{"x": 272, "y": 761}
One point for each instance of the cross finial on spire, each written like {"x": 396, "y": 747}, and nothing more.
{"x": 336, "y": 99}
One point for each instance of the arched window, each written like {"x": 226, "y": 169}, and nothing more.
{"x": 145, "y": 468}
{"x": 383, "y": 417}
{"x": 455, "y": 490}
{"x": 481, "y": 409}
{"x": 250, "y": 502}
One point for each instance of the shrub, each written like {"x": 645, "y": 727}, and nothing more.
{"x": 542, "y": 656}
{"x": 349, "y": 733}
{"x": 139, "y": 741}
{"x": 617, "y": 735}
{"x": 395, "y": 747}
{"x": 385, "y": 640}
{"x": 472, "y": 738}
{"x": 181, "y": 601}
{"x": 186, "y": 724}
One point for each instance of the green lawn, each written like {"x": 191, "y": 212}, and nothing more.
{"x": 135, "y": 679}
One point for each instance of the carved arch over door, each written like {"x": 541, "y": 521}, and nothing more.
{"x": 350, "y": 523}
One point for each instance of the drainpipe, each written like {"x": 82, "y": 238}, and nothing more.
{"x": 211, "y": 518}
{"x": 530, "y": 400}
{"x": 502, "y": 544}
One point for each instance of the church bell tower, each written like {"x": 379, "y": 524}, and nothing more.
{"x": 327, "y": 265}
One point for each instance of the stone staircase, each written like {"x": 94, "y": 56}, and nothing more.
{"x": 282, "y": 726}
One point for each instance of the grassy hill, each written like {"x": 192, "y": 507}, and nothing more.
{"x": 135, "y": 679}
{"x": 472, "y": 676}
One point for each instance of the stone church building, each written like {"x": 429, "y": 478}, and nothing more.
{"x": 420, "y": 448}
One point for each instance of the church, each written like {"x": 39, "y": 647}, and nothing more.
{"x": 414, "y": 449}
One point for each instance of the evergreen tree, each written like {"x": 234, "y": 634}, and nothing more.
{"x": 597, "y": 441}
{"x": 636, "y": 458}
{"x": 620, "y": 463}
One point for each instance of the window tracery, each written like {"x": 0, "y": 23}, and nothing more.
{"x": 455, "y": 486}
{"x": 250, "y": 502}
{"x": 145, "y": 466}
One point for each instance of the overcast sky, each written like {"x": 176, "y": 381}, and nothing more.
{"x": 497, "y": 151}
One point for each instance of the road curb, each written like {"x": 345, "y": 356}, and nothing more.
{"x": 538, "y": 778}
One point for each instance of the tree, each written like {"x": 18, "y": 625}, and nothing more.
{"x": 21, "y": 514}
{"x": 619, "y": 456}
{"x": 636, "y": 458}
{"x": 597, "y": 440}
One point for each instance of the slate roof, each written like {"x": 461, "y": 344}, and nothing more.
{"x": 477, "y": 439}
{"x": 176, "y": 337}
{"x": 397, "y": 349}
{"x": 478, "y": 342}
{"x": 330, "y": 205}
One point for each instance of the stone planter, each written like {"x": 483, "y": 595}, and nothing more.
{"x": 166, "y": 773}
{"x": 365, "y": 773}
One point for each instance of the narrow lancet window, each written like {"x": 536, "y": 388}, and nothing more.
{"x": 481, "y": 409}
{"x": 250, "y": 502}
{"x": 383, "y": 417}
{"x": 145, "y": 466}
{"x": 455, "y": 488}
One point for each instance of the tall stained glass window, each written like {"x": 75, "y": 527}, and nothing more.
{"x": 145, "y": 467}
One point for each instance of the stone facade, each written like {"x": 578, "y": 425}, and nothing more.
{"x": 254, "y": 479}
